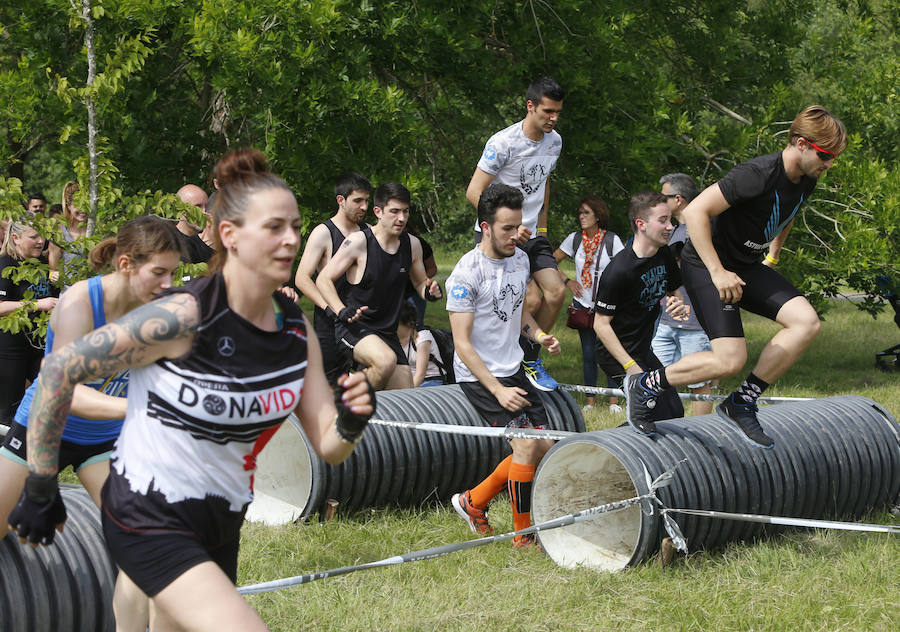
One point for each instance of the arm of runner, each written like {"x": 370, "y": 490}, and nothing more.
{"x": 423, "y": 355}
{"x": 479, "y": 182}
{"x": 349, "y": 254}
{"x": 510, "y": 397}
{"x": 697, "y": 214}
{"x": 317, "y": 411}
{"x": 164, "y": 328}
{"x": 606, "y": 335}
{"x": 777, "y": 244}
{"x": 315, "y": 256}
{"x": 427, "y": 288}
{"x": 532, "y": 331}
{"x": 72, "y": 319}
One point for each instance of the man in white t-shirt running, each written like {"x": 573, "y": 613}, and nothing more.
{"x": 522, "y": 156}
{"x": 485, "y": 298}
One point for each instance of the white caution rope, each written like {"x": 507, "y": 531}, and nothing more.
{"x": 477, "y": 431}
{"x": 792, "y": 522}
{"x": 616, "y": 392}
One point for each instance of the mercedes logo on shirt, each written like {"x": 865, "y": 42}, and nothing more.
{"x": 226, "y": 346}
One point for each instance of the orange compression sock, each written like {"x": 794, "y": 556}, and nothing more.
{"x": 482, "y": 494}
{"x": 521, "y": 478}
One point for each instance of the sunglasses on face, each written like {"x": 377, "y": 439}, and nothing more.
{"x": 823, "y": 155}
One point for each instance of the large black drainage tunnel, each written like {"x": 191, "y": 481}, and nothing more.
{"x": 835, "y": 458}
{"x": 390, "y": 466}
{"x": 66, "y": 586}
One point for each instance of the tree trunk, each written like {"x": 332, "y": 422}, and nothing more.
{"x": 92, "y": 113}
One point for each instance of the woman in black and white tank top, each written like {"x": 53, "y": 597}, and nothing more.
{"x": 216, "y": 367}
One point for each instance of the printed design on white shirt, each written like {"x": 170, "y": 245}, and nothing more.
{"x": 507, "y": 301}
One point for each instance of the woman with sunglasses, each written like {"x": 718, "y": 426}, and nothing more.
{"x": 591, "y": 247}
{"x": 215, "y": 367}
{"x": 737, "y": 228}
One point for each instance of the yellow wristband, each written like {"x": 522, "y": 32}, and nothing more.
{"x": 542, "y": 230}
{"x": 629, "y": 364}
{"x": 541, "y": 336}
{"x": 771, "y": 259}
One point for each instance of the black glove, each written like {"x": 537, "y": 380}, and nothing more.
{"x": 347, "y": 313}
{"x": 348, "y": 424}
{"x": 39, "y": 511}
{"x": 330, "y": 313}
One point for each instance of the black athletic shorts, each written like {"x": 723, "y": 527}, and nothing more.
{"x": 765, "y": 292}
{"x": 348, "y": 335}
{"x": 668, "y": 405}
{"x": 73, "y": 454}
{"x": 335, "y": 357}
{"x": 493, "y": 413}
{"x": 154, "y": 560}
{"x": 538, "y": 249}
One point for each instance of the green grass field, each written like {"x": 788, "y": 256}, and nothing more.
{"x": 805, "y": 580}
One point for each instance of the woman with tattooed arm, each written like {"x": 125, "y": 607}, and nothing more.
{"x": 216, "y": 367}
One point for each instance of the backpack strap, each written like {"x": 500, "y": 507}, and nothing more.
{"x": 576, "y": 243}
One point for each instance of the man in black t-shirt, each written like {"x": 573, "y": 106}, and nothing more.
{"x": 628, "y": 300}
{"x": 731, "y": 225}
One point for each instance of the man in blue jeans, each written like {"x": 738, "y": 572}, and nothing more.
{"x": 677, "y": 337}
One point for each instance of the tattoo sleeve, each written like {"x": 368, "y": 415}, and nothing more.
{"x": 148, "y": 333}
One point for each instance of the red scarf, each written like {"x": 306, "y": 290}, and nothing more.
{"x": 591, "y": 247}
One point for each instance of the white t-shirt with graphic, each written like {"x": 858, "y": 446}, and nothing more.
{"x": 494, "y": 290}
{"x": 516, "y": 160}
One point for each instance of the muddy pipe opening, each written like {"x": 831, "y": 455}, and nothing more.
{"x": 586, "y": 475}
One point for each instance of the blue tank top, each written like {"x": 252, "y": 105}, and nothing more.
{"x": 79, "y": 430}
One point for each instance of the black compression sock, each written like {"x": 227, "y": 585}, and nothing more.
{"x": 655, "y": 380}
{"x": 750, "y": 389}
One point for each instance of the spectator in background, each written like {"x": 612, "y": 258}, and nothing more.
{"x": 592, "y": 248}
{"x": 20, "y": 353}
{"x": 417, "y": 346}
{"x": 37, "y": 203}
{"x": 198, "y": 241}
{"x": 74, "y": 226}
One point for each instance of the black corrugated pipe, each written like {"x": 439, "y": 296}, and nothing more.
{"x": 835, "y": 458}
{"x": 391, "y": 466}
{"x": 66, "y": 586}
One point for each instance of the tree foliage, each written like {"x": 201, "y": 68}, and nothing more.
{"x": 410, "y": 91}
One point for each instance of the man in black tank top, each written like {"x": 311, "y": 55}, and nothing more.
{"x": 376, "y": 263}
{"x": 352, "y": 192}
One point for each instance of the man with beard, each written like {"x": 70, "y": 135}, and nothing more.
{"x": 377, "y": 262}
{"x": 486, "y": 296}
{"x": 352, "y": 192}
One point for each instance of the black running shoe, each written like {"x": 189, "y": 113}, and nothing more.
{"x": 743, "y": 416}
{"x": 639, "y": 405}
